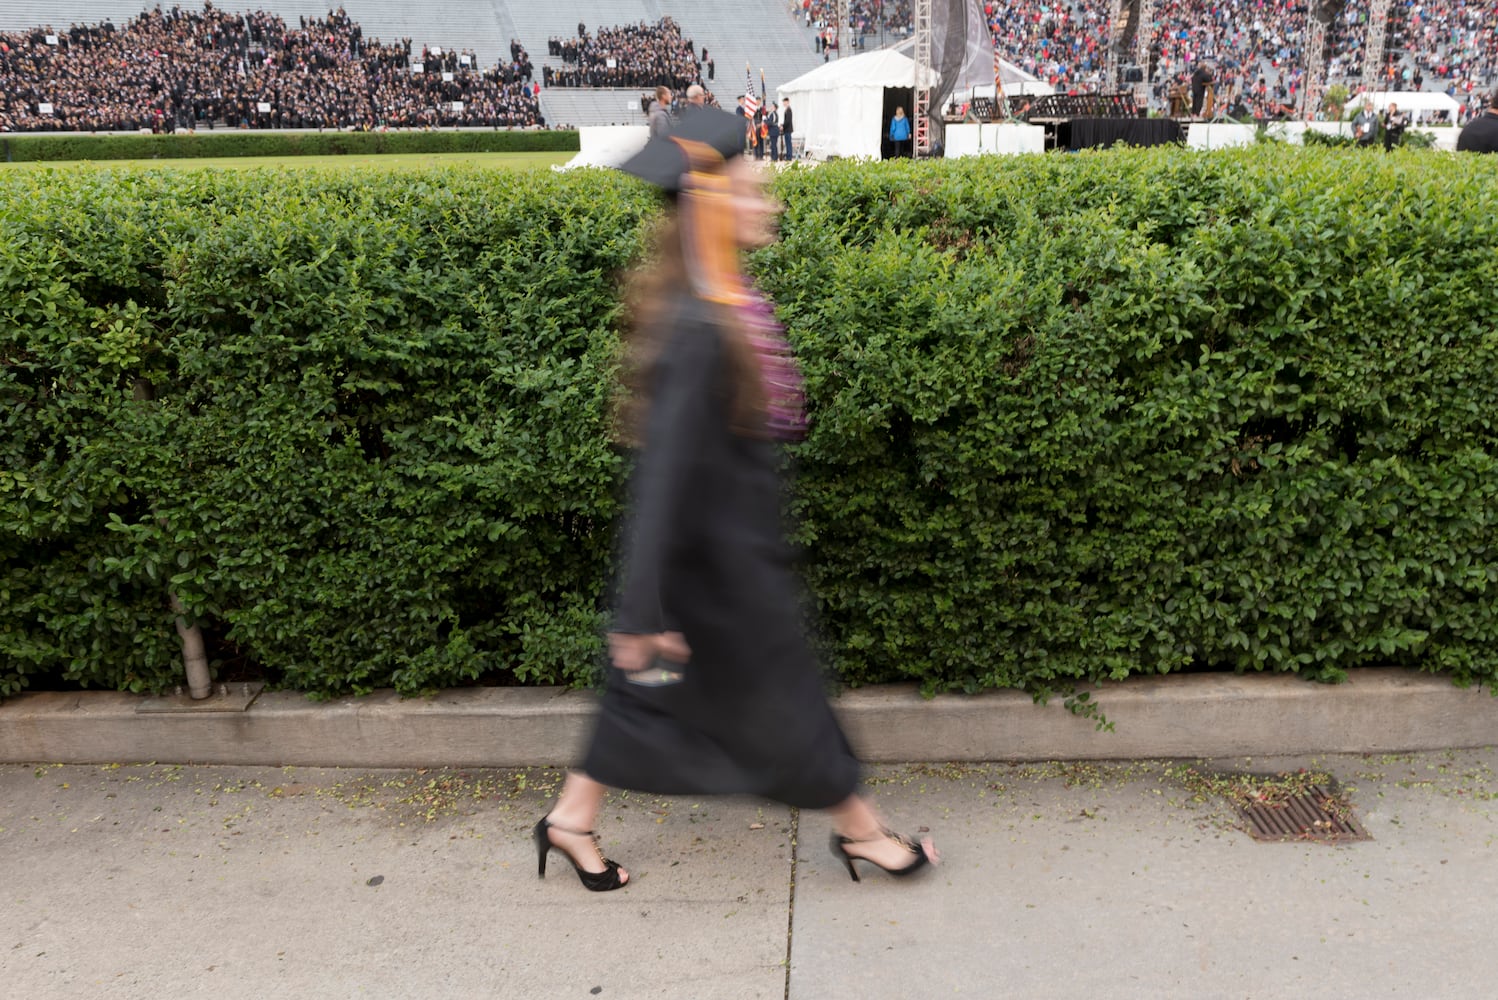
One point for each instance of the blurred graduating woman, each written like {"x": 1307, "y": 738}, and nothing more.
{"x": 713, "y": 687}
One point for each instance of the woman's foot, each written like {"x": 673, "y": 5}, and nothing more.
{"x": 569, "y": 828}
{"x": 888, "y": 850}
{"x": 860, "y": 835}
{"x": 580, "y": 847}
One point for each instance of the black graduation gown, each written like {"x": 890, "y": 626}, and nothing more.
{"x": 1480, "y": 135}
{"x": 704, "y": 553}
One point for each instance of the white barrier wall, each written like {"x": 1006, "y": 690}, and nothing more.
{"x": 1445, "y": 136}
{"x": 607, "y": 145}
{"x": 976, "y": 139}
{"x": 1202, "y": 135}
{"x": 611, "y": 145}
{"x": 1295, "y": 131}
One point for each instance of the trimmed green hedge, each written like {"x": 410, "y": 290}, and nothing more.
{"x": 229, "y": 142}
{"x": 357, "y": 424}
{"x": 1095, "y": 415}
{"x": 1074, "y": 417}
{"x": 1329, "y": 140}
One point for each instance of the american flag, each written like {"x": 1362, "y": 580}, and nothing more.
{"x": 751, "y": 102}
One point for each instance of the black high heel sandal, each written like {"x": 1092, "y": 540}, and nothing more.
{"x": 838, "y": 842}
{"x": 604, "y": 881}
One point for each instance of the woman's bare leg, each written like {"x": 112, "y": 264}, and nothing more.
{"x": 576, "y": 809}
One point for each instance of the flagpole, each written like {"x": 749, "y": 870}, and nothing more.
{"x": 764, "y": 134}
{"x": 749, "y": 136}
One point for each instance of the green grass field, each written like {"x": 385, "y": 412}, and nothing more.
{"x": 391, "y": 161}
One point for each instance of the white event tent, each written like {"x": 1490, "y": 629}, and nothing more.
{"x": 1419, "y": 104}
{"x": 839, "y": 106}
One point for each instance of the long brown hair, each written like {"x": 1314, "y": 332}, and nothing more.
{"x": 655, "y": 292}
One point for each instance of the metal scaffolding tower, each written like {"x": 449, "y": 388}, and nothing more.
{"x": 923, "y": 70}
{"x": 1116, "y": 43}
{"x": 1315, "y": 81}
{"x": 1130, "y": 33}
{"x": 1144, "y": 34}
{"x": 1374, "y": 43}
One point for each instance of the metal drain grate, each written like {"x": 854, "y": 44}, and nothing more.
{"x": 1316, "y": 814}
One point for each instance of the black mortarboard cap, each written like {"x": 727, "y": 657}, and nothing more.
{"x": 664, "y": 163}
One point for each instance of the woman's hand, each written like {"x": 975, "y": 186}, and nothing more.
{"x": 636, "y": 652}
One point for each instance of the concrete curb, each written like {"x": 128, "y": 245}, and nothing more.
{"x": 1199, "y": 715}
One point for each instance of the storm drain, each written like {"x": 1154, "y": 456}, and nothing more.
{"x": 1316, "y": 814}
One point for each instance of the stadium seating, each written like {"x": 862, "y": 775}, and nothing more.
{"x": 764, "y": 34}
{"x": 735, "y": 32}
{"x": 162, "y": 71}
{"x": 759, "y": 33}
{"x": 466, "y": 24}
{"x": 16, "y": 15}
{"x": 469, "y": 24}
{"x": 582, "y": 107}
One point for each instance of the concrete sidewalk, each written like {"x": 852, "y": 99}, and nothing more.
{"x": 1060, "y": 880}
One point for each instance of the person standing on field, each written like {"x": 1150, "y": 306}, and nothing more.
{"x": 899, "y": 134}
{"x": 1365, "y": 125}
{"x": 1395, "y": 122}
{"x": 660, "y": 113}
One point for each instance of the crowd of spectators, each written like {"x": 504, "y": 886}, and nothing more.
{"x": 864, "y": 16}
{"x": 1255, "y": 46}
{"x": 631, "y": 55}
{"x": 178, "y": 68}
{"x": 1453, "y": 40}
{"x": 200, "y": 68}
